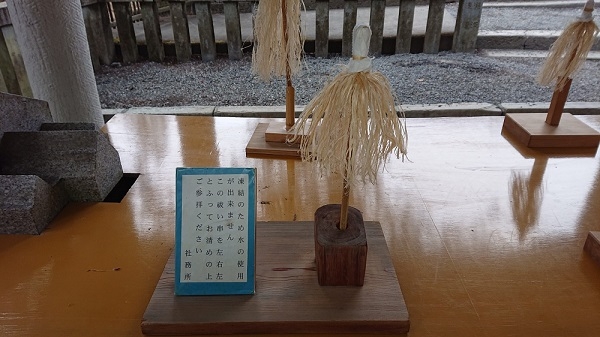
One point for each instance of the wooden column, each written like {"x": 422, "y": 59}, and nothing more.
{"x": 45, "y": 31}
{"x": 154, "y": 43}
{"x": 376, "y": 22}
{"x": 467, "y": 26}
{"x": 206, "y": 31}
{"x": 350, "y": 13}
{"x": 234, "y": 30}
{"x": 127, "y": 41}
{"x": 181, "y": 30}
{"x": 405, "y": 26}
{"x": 433, "y": 31}
{"x": 322, "y": 28}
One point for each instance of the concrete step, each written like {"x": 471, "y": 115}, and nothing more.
{"x": 518, "y": 53}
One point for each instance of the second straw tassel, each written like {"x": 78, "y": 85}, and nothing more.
{"x": 278, "y": 45}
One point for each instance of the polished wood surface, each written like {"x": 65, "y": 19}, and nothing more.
{"x": 468, "y": 261}
{"x": 288, "y": 297}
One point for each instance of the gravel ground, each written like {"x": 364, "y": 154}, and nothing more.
{"x": 415, "y": 78}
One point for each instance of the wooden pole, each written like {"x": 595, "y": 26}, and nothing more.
{"x": 557, "y": 104}
{"x": 289, "y": 91}
{"x": 346, "y": 187}
{"x": 344, "y": 208}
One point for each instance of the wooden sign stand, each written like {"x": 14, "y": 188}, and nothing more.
{"x": 288, "y": 298}
{"x": 544, "y": 130}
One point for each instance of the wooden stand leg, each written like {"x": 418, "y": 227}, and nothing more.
{"x": 290, "y": 107}
{"x": 341, "y": 256}
{"x": 592, "y": 246}
{"x": 557, "y": 105}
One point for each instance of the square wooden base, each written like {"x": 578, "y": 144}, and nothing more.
{"x": 340, "y": 256}
{"x": 277, "y": 133}
{"x": 259, "y": 147}
{"x": 531, "y": 130}
{"x": 288, "y": 298}
{"x": 592, "y": 246}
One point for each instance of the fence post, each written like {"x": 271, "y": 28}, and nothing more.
{"x": 350, "y": 13}
{"x": 156, "y": 51}
{"x": 234, "y": 29}
{"x": 107, "y": 55}
{"x": 405, "y": 26}
{"x": 433, "y": 31}
{"x": 376, "y": 22}
{"x": 467, "y": 26}
{"x": 322, "y": 28}
{"x": 129, "y": 49}
{"x": 15, "y": 74}
{"x": 181, "y": 30}
{"x": 206, "y": 31}
{"x": 7, "y": 71}
{"x": 92, "y": 21}
{"x": 8, "y": 76}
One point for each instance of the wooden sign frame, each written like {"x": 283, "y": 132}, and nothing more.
{"x": 215, "y": 231}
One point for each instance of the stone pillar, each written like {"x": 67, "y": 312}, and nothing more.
{"x": 53, "y": 42}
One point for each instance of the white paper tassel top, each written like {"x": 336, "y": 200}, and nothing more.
{"x": 586, "y": 15}
{"x": 361, "y": 39}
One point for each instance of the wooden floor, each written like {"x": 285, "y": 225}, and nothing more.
{"x": 486, "y": 238}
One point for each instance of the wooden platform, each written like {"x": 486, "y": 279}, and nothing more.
{"x": 592, "y": 246}
{"x": 259, "y": 147}
{"x": 288, "y": 298}
{"x": 532, "y": 130}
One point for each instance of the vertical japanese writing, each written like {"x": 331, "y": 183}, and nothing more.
{"x": 214, "y": 228}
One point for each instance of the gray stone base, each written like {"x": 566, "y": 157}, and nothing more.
{"x": 28, "y": 203}
{"x": 83, "y": 160}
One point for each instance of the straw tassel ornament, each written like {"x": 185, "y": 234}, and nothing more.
{"x": 570, "y": 50}
{"x": 278, "y": 45}
{"x": 566, "y": 56}
{"x": 354, "y": 122}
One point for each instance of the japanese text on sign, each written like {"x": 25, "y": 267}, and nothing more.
{"x": 214, "y": 229}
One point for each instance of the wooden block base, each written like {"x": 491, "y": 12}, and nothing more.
{"x": 592, "y": 246}
{"x": 532, "y": 130}
{"x": 340, "y": 256}
{"x": 259, "y": 147}
{"x": 276, "y": 133}
{"x": 288, "y": 298}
